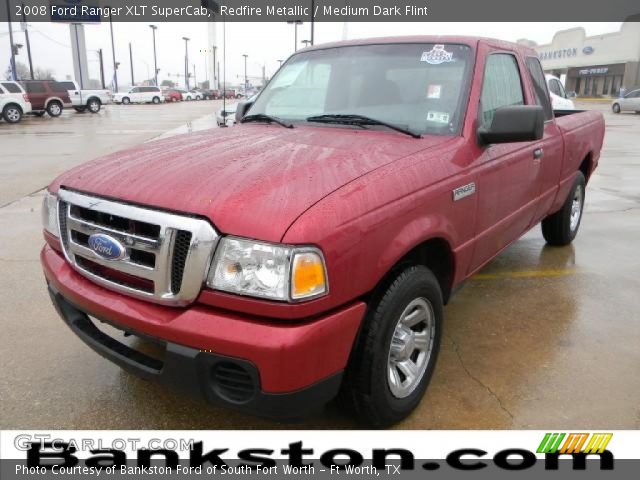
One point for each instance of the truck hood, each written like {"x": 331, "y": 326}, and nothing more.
{"x": 250, "y": 180}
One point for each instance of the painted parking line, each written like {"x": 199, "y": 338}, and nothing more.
{"x": 556, "y": 272}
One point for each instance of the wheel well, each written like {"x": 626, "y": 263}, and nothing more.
{"x": 94, "y": 98}
{"x": 17, "y": 105}
{"x": 586, "y": 166}
{"x": 436, "y": 255}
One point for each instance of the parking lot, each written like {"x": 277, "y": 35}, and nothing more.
{"x": 542, "y": 336}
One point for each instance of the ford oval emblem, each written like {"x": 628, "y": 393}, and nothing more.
{"x": 587, "y": 50}
{"x": 107, "y": 247}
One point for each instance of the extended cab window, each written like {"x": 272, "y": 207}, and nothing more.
{"x": 540, "y": 86}
{"x": 502, "y": 85}
{"x": 420, "y": 87}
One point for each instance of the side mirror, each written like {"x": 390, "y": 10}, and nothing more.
{"x": 242, "y": 109}
{"x": 517, "y": 123}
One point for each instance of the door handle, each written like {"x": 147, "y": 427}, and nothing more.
{"x": 538, "y": 153}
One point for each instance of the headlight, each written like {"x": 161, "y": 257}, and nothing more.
{"x": 50, "y": 214}
{"x": 276, "y": 272}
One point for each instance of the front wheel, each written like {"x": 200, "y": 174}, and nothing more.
{"x": 397, "y": 348}
{"x": 12, "y": 114}
{"x": 616, "y": 108}
{"x": 54, "y": 109}
{"x": 562, "y": 227}
{"x": 126, "y": 101}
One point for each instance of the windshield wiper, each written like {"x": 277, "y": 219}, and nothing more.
{"x": 263, "y": 117}
{"x": 353, "y": 119}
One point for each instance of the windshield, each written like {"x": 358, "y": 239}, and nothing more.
{"x": 421, "y": 87}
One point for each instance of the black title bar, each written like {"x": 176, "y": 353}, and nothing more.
{"x": 94, "y": 11}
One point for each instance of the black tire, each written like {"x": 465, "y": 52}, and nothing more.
{"x": 156, "y": 100}
{"x": 80, "y": 109}
{"x": 616, "y": 108}
{"x": 188, "y": 99}
{"x": 94, "y": 105}
{"x": 557, "y": 229}
{"x": 126, "y": 100}
{"x": 367, "y": 388}
{"x": 54, "y": 108}
{"x": 12, "y": 113}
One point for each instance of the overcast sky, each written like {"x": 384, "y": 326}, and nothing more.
{"x": 265, "y": 43}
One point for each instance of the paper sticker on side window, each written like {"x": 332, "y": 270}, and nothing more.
{"x": 437, "y": 55}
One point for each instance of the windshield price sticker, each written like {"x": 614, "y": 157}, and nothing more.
{"x": 438, "y": 117}
{"x": 437, "y": 55}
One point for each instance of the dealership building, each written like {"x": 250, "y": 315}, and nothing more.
{"x": 593, "y": 66}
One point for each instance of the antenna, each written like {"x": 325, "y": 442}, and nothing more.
{"x": 224, "y": 70}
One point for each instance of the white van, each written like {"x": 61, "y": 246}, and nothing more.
{"x": 140, "y": 95}
{"x": 559, "y": 99}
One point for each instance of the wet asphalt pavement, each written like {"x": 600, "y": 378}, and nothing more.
{"x": 542, "y": 338}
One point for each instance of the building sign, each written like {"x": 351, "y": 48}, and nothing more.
{"x": 594, "y": 71}
{"x": 556, "y": 54}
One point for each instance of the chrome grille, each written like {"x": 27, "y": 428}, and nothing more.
{"x": 167, "y": 255}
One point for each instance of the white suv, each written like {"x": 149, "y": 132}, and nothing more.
{"x": 13, "y": 102}
{"x": 140, "y": 95}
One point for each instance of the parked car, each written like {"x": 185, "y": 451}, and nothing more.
{"x": 216, "y": 94}
{"x": 46, "y": 96}
{"x": 140, "y": 95}
{"x": 13, "y": 102}
{"x": 629, "y": 103}
{"x": 559, "y": 98}
{"x": 83, "y": 100}
{"x": 228, "y": 115}
{"x": 172, "y": 95}
{"x": 312, "y": 248}
{"x": 230, "y": 94}
{"x": 187, "y": 95}
{"x": 208, "y": 94}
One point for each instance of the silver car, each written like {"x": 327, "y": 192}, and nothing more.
{"x": 629, "y": 103}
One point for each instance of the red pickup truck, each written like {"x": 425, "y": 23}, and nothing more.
{"x": 310, "y": 250}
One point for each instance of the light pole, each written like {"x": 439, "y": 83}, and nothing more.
{"x": 215, "y": 77}
{"x": 113, "y": 53}
{"x": 26, "y": 37}
{"x": 295, "y": 24}
{"x": 155, "y": 60}
{"x": 133, "y": 83}
{"x": 246, "y": 81}
{"x": 14, "y": 75}
{"x": 313, "y": 17}
{"x": 186, "y": 62}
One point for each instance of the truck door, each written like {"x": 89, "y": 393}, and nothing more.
{"x": 507, "y": 173}
{"x": 550, "y": 147}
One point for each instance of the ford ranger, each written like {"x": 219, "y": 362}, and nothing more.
{"x": 309, "y": 251}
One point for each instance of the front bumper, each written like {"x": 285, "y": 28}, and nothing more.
{"x": 264, "y": 367}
